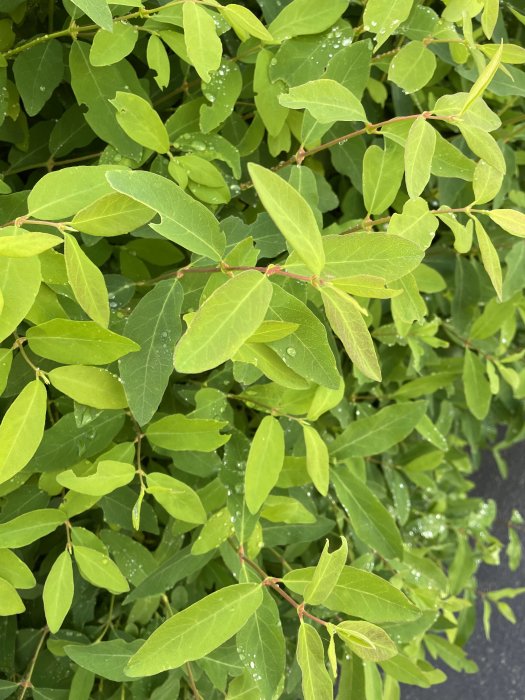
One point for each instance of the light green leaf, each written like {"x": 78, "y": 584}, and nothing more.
{"x": 264, "y": 464}
{"x": 282, "y": 509}
{"x": 158, "y": 61}
{"x": 382, "y": 175}
{"x": 99, "y": 570}
{"x": 110, "y": 475}
{"x": 224, "y": 322}
{"x": 200, "y": 37}
{"x": 348, "y": 323}
{"x": 317, "y": 463}
{"x": 19, "y": 283}
{"x": 78, "y": 342}
{"x": 416, "y": 223}
{"x": 29, "y": 527}
{"x": 15, "y": 571}
{"x": 510, "y": 220}
{"x": 269, "y": 331}
{"x": 483, "y": 145}
{"x": 183, "y": 220}
{"x": 22, "y": 429}
{"x": 58, "y": 591}
{"x": 316, "y": 682}
{"x": 222, "y": 91}
{"x": 327, "y": 101}
{"x": 179, "y": 432}
{"x": 176, "y": 497}
{"x": 261, "y": 642}
{"x": 91, "y": 386}
{"x": 325, "y": 399}
{"x": 489, "y": 258}
{"x": 486, "y": 183}
{"x": 413, "y": 67}
{"x": 379, "y": 432}
{"x": 62, "y": 193}
{"x": 484, "y": 79}
{"x": 302, "y": 17}
{"x": 383, "y": 18}
{"x": 86, "y": 281}
{"x": 98, "y": 11}
{"x": 326, "y": 574}
{"x": 360, "y": 594}
{"x": 18, "y": 243}
{"x": 196, "y": 631}
{"x": 155, "y": 325}
{"x": 109, "y": 47}
{"x": 215, "y": 531}
{"x": 405, "y": 670}
{"x": 476, "y": 385}
{"x": 365, "y": 286}
{"x": 419, "y": 151}
{"x": 366, "y": 640}
{"x": 38, "y": 71}
{"x": 245, "y": 23}
{"x": 112, "y": 215}
{"x": 370, "y": 519}
{"x": 141, "y": 122}
{"x": 292, "y": 215}
{"x": 10, "y": 601}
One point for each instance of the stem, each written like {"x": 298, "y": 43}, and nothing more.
{"x": 270, "y": 409}
{"x": 108, "y": 622}
{"x": 18, "y": 344}
{"x": 191, "y": 681}
{"x": 272, "y": 583}
{"x": 25, "y": 683}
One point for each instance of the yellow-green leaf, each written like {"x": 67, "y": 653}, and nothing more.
{"x": 99, "y": 570}
{"x": 316, "y": 681}
{"x": 179, "y": 432}
{"x": 110, "y": 475}
{"x": 510, "y": 220}
{"x": 419, "y": 151}
{"x": 317, "y": 460}
{"x": 368, "y": 641}
{"x": 264, "y": 464}
{"x": 17, "y": 243}
{"x": 112, "y": 215}
{"x": 91, "y": 386}
{"x": 489, "y": 258}
{"x": 141, "y": 122}
{"x": 200, "y": 37}
{"x": 326, "y": 574}
{"x": 176, "y": 497}
{"x": 86, "y": 281}
{"x": 10, "y": 601}
{"x": 31, "y": 526}
{"x": 58, "y": 591}
{"x": 327, "y": 101}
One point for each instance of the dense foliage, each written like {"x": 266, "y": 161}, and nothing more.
{"x": 261, "y": 274}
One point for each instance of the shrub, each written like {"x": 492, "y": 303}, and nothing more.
{"x": 262, "y": 309}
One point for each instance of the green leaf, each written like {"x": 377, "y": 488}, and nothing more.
{"x": 22, "y": 429}
{"x": 510, "y": 220}
{"x": 141, "y": 122}
{"x": 413, "y": 67}
{"x": 245, "y": 23}
{"x": 215, "y": 531}
{"x": 17, "y": 243}
{"x": 179, "y": 432}
{"x": 316, "y": 682}
{"x": 326, "y": 574}
{"x": 176, "y": 497}
{"x": 62, "y": 193}
{"x": 302, "y": 17}
{"x": 197, "y": 630}
{"x": 359, "y": 594}
{"x": 155, "y": 325}
{"x": 282, "y": 509}
{"x": 272, "y": 330}
{"x": 10, "y": 601}
{"x": 222, "y": 91}
{"x": 317, "y": 463}
{"x": 347, "y": 322}
{"x": 419, "y": 151}
{"x": 183, "y": 220}
{"x": 379, "y": 432}
{"x": 484, "y": 79}
{"x": 370, "y": 519}
{"x": 112, "y": 215}
{"x": 29, "y": 527}
{"x": 78, "y": 342}
{"x": 106, "y": 659}
{"x": 291, "y": 214}
{"x": 58, "y": 591}
{"x": 382, "y": 174}
{"x": 489, "y": 258}
{"x": 109, "y": 47}
{"x": 476, "y": 385}
{"x": 383, "y": 18}
{"x": 367, "y": 641}
{"x": 261, "y": 642}
{"x": 38, "y": 71}
{"x": 158, "y": 61}
{"x": 405, "y": 670}
{"x": 86, "y": 281}
{"x": 98, "y": 11}
{"x": 200, "y": 37}
{"x": 13, "y": 570}
{"x": 110, "y": 475}
{"x": 99, "y": 570}
{"x": 327, "y": 101}
{"x": 226, "y": 319}
{"x": 264, "y": 464}
{"x": 486, "y": 183}
{"x": 91, "y": 386}
{"x": 19, "y": 282}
